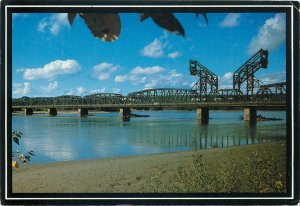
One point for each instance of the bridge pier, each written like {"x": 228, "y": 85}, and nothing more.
{"x": 52, "y": 111}
{"x": 125, "y": 112}
{"x": 83, "y": 112}
{"x": 28, "y": 111}
{"x": 203, "y": 114}
{"x": 250, "y": 114}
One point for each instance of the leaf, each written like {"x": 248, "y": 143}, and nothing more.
{"x": 15, "y": 164}
{"x": 31, "y": 153}
{"x": 107, "y": 27}
{"x": 16, "y": 136}
{"x": 21, "y": 157}
{"x": 204, "y": 15}
{"x": 71, "y": 17}
{"x": 27, "y": 157}
{"x": 166, "y": 21}
{"x": 143, "y": 16}
{"x": 16, "y": 139}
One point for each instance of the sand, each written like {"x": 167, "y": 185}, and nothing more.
{"x": 126, "y": 174}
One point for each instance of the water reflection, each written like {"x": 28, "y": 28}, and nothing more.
{"x": 107, "y": 135}
{"x": 206, "y": 138}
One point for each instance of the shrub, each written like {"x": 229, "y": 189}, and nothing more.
{"x": 264, "y": 172}
{"x": 260, "y": 171}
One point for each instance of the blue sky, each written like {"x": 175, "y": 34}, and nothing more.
{"x": 52, "y": 58}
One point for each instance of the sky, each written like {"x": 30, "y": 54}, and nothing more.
{"x": 52, "y": 58}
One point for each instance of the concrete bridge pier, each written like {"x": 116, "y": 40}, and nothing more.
{"x": 52, "y": 111}
{"x": 203, "y": 114}
{"x": 125, "y": 112}
{"x": 83, "y": 112}
{"x": 250, "y": 114}
{"x": 28, "y": 111}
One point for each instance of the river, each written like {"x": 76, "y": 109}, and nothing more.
{"x": 101, "y": 135}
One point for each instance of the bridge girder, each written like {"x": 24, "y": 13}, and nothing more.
{"x": 162, "y": 95}
{"x": 271, "y": 92}
{"x": 227, "y": 95}
{"x": 103, "y": 95}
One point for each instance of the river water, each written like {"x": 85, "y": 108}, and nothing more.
{"x": 102, "y": 135}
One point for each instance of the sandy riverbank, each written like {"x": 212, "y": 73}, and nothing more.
{"x": 127, "y": 174}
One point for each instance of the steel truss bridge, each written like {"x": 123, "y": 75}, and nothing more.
{"x": 162, "y": 97}
{"x": 205, "y": 92}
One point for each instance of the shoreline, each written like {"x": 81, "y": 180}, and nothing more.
{"x": 123, "y": 174}
{"x": 60, "y": 112}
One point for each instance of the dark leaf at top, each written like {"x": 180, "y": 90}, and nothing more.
{"x": 71, "y": 17}
{"x": 143, "y": 16}
{"x": 166, "y": 21}
{"x": 204, "y": 15}
{"x": 107, "y": 27}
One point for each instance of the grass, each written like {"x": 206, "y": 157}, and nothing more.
{"x": 257, "y": 170}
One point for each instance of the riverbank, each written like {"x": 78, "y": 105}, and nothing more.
{"x": 129, "y": 174}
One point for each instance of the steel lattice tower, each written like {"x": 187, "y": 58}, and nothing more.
{"x": 246, "y": 72}
{"x": 206, "y": 78}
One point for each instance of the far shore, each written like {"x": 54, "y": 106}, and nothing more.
{"x": 60, "y": 112}
{"x": 126, "y": 174}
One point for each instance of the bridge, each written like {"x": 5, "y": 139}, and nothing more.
{"x": 204, "y": 95}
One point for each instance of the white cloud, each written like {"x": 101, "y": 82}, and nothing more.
{"x": 52, "y": 86}
{"x": 148, "y": 70}
{"x": 70, "y": 92}
{"x": 167, "y": 79}
{"x": 80, "y": 91}
{"x": 42, "y": 25}
{"x": 228, "y": 76}
{"x": 115, "y": 90}
{"x": 52, "y": 70}
{"x": 120, "y": 78}
{"x": 269, "y": 78}
{"x": 226, "y": 81}
{"x": 22, "y": 88}
{"x": 95, "y": 91}
{"x": 154, "y": 76}
{"x": 154, "y": 49}
{"x": 104, "y": 70}
{"x": 54, "y": 23}
{"x": 230, "y": 20}
{"x": 270, "y": 36}
{"x": 174, "y": 55}
{"x": 105, "y": 66}
{"x": 104, "y": 76}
